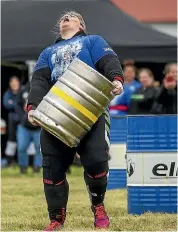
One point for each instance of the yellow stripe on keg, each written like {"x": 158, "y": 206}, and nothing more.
{"x": 73, "y": 103}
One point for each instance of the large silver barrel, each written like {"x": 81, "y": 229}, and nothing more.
{"x": 74, "y": 103}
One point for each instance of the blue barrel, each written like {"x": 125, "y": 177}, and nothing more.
{"x": 117, "y": 164}
{"x": 152, "y": 164}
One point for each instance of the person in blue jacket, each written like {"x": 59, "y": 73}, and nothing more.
{"x": 9, "y": 102}
{"x": 120, "y": 104}
{"x": 93, "y": 149}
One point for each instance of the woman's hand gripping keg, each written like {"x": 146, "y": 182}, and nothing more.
{"x": 31, "y": 119}
{"x": 118, "y": 87}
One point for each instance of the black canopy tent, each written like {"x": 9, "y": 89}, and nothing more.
{"x": 27, "y": 29}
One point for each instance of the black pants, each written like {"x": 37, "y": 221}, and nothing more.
{"x": 57, "y": 157}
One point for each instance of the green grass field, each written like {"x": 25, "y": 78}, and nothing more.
{"x": 24, "y": 206}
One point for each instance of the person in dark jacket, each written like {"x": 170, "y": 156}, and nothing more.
{"x": 142, "y": 100}
{"x": 166, "y": 99}
{"x": 9, "y": 102}
{"x": 26, "y": 133}
{"x": 93, "y": 149}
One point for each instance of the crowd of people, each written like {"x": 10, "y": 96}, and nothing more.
{"x": 141, "y": 95}
{"x": 23, "y": 137}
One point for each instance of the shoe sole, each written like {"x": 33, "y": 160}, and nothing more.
{"x": 61, "y": 227}
{"x": 100, "y": 228}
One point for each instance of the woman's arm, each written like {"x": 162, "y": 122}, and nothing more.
{"x": 39, "y": 87}
{"x": 40, "y": 83}
{"x": 105, "y": 59}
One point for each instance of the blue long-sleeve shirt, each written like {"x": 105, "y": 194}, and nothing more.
{"x": 55, "y": 59}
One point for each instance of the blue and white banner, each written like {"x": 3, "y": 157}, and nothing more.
{"x": 152, "y": 169}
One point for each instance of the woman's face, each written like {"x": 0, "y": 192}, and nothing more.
{"x": 14, "y": 84}
{"x": 129, "y": 73}
{"x": 173, "y": 71}
{"x": 145, "y": 79}
{"x": 69, "y": 22}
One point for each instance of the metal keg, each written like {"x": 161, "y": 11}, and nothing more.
{"x": 74, "y": 103}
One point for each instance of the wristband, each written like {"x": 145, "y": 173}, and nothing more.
{"x": 30, "y": 107}
{"x": 118, "y": 78}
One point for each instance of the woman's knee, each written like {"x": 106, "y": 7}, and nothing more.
{"x": 96, "y": 176}
{"x": 53, "y": 171}
{"x": 97, "y": 170}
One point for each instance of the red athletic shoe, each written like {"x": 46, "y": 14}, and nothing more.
{"x": 57, "y": 225}
{"x": 100, "y": 216}
{"x": 53, "y": 226}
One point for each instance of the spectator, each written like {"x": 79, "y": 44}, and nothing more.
{"x": 171, "y": 70}
{"x": 9, "y": 102}
{"x": 27, "y": 133}
{"x": 156, "y": 84}
{"x": 120, "y": 104}
{"x": 143, "y": 99}
{"x": 3, "y": 138}
{"x": 167, "y": 96}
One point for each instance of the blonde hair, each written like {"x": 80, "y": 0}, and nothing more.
{"x": 74, "y": 13}
{"x": 168, "y": 67}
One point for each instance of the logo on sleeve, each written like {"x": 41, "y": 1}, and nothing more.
{"x": 107, "y": 49}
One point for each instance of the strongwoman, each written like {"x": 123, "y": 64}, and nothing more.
{"x": 93, "y": 149}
